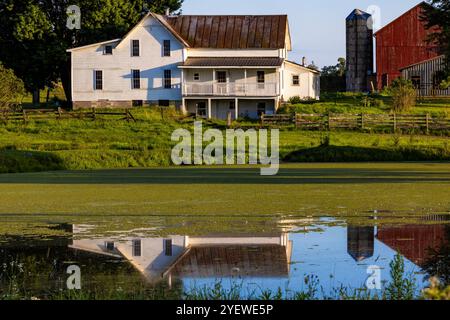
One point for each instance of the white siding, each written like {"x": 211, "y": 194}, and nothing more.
{"x": 117, "y": 67}
{"x": 309, "y": 86}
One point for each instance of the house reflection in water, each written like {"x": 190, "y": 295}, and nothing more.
{"x": 360, "y": 242}
{"x": 185, "y": 256}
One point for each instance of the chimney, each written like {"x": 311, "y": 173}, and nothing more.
{"x": 304, "y": 61}
{"x": 167, "y": 11}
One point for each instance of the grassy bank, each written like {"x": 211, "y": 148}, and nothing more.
{"x": 402, "y": 286}
{"x": 356, "y": 103}
{"x": 112, "y": 143}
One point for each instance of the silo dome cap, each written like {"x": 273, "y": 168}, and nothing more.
{"x": 358, "y": 14}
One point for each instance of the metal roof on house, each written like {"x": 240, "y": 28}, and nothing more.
{"x": 232, "y": 62}
{"x": 232, "y": 32}
{"x": 233, "y": 260}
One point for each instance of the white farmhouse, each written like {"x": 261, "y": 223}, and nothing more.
{"x": 197, "y": 256}
{"x": 211, "y": 66}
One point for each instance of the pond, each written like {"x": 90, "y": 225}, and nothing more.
{"x": 320, "y": 256}
{"x": 312, "y": 231}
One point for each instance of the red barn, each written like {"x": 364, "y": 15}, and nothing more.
{"x": 401, "y": 43}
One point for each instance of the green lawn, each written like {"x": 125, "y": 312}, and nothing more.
{"x": 355, "y": 104}
{"x": 191, "y": 200}
{"x": 86, "y": 144}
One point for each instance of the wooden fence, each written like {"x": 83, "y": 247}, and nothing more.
{"x": 46, "y": 114}
{"x": 334, "y": 121}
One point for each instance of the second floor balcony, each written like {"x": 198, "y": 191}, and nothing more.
{"x": 270, "y": 89}
{"x": 231, "y": 76}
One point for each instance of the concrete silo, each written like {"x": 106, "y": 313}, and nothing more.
{"x": 359, "y": 51}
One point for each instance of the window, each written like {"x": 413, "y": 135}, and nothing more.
{"x": 98, "y": 80}
{"x": 135, "y": 48}
{"x": 168, "y": 247}
{"x": 137, "y": 103}
{"x": 107, "y": 50}
{"x": 109, "y": 245}
{"x": 136, "y": 79}
{"x": 261, "y": 108}
{"x": 166, "y": 48}
{"x": 295, "y": 80}
{"x": 164, "y": 103}
{"x": 201, "y": 109}
{"x": 167, "y": 79}
{"x": 221, "y": 76}
{"x": 136, "y": 248}
{"x": 261, "y": 75}
{"x": 196, "y": 76}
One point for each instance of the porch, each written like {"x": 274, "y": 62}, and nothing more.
{"x": 221, "y": 108}
{"x": 231, "y": 77}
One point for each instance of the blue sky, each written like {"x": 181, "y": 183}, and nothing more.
{"x": 317, "y": 26}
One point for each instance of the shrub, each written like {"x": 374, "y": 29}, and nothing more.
{"x": 11, "y": 88}
{"x": 295, "y": 100}
{"x": 403, "y": 95}
{"x": 299, "y": 100}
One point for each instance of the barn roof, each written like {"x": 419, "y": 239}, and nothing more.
{"x": 422, "y": 62}
{"x": 232, "y": 32}
{"x": 421, "y": 4}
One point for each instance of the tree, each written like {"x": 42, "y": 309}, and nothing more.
{"x": 437, "y": 18}
{"x": 333, "y": 77}
{"x": 160, "y": 6}
{"x": 313, "y": 66}
{"x": 337, "y": 70}
{"x": 34, "y": 37}
{"x": 11, "y": 88}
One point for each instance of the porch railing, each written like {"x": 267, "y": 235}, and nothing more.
{"x": 231, "y": 89}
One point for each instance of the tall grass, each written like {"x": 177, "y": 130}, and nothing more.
{"x": 402, "y": 286}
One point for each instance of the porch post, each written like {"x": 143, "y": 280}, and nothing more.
{"x": 183, "y": 106}
{"x": 236, "y": 108}
{"x": 245, "y": 81}
{"x": 213, "y": 81}
{"x": 183, "y": 91}
{"x": 209, "y": 108}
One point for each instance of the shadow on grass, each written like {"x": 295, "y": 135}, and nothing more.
{"x": 333, "y": 174}
{"x": 360, "y": 154}
{"x": 13, "y": 161}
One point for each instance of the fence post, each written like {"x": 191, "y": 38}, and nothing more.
{"x": 395, "y": 122}
{"x": 362, "y": 121}
{"x": 93, "y": 114}
{"x": 329, "y": 121}
{"x": 59, "y": 112}
{"x": 428, "y": 123}
{"x": 24, "y": 112}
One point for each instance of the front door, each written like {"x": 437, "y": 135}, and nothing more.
{"x": 222, "y": 82}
